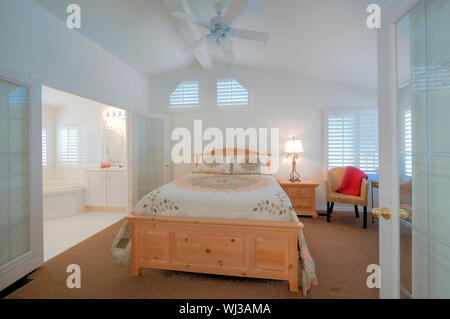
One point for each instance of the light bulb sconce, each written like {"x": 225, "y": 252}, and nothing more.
{"x": 115, "y": 120}
{"x": 114, "y": 114}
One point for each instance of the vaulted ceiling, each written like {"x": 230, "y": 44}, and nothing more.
{"x": 320, "y": 39}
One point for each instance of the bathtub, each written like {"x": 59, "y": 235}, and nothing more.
{"x": 62, "y": 198}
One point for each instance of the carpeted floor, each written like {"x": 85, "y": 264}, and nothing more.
{"x": 342, "y": 250}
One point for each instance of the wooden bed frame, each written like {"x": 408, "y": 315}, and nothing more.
{"x": 244, "y": 248}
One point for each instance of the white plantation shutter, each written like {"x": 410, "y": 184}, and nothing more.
{"x": 68, "y": 146}
{"x": 186, "y": 95}
{"x": 231, "y": 93}
{"x": 352, "y": 139}
{"x": 78, "y": 146}
{"x": 407, "y": 122}
{"x": 430, "y": 78}
{"x": 367, "y": 129}
{"x": 341, "y": 140}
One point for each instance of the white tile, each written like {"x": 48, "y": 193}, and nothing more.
{"x": 63, "y": 233}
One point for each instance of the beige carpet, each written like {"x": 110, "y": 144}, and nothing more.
{"x": 342, "y": 250}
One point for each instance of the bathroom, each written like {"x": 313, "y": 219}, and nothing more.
{"x": 84, "y": 168}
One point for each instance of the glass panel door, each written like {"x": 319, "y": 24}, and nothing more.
{"x": 423, "y": 110}
{"x": 150, "y": 151}
{"x": 14, "y": 172}
{"x": 20, "y": 189}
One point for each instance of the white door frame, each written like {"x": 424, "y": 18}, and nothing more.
{"x": 132, "y": 151}
{"x": 389, "y": 244}
{"x": 23, "y": 265}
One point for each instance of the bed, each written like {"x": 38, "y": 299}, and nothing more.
{"x": 236, "y": 225}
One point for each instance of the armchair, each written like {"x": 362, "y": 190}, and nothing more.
{"x": 333, "y": 181}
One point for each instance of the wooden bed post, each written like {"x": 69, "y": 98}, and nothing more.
{"x": 293, "y": 263}
{"x": 134, "y": 254}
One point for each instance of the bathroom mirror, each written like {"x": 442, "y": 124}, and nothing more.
{"x": 114, "y": 137}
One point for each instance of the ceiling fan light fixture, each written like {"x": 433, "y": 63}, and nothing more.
{"x": 220, "y": 26}
{"x": 220, "y": 30}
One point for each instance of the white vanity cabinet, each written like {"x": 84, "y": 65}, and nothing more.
{"x": 106, "y": 188}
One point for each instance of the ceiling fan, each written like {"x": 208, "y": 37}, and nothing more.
{"x": 220, "y": 27}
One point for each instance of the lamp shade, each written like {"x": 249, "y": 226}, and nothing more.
{"x": 294, "y": 146}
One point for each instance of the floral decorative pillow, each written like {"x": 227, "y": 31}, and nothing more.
{"x": 251, "y": 166}
{"x": 210, "y": 166}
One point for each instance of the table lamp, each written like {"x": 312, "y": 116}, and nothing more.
{"x": 294, "y": 147}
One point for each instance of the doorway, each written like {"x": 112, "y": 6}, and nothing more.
{"x": 84, "y": 168}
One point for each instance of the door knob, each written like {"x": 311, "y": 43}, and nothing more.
{"x": 382, "y": 212}
{"x": 167, "y": 165}
{"x": 404, "y": 214}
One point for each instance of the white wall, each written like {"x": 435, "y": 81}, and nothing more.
{"x": 294, "y": 105}
{"x": 34, "y": 41}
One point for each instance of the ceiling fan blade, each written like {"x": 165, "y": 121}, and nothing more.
{"x": 183, "y": 16}
{"x": 195, "y": 44}
{"x": 251, "y": 35}
{"x": 234, "y": 10}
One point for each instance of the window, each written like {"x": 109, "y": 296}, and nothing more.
{"x": 44, "y": 147}
{"x": 78, "y": 146}
{"x": 352, "y": 139}
{"x": 186, "y": 96}
{"x": 231, "y": 93}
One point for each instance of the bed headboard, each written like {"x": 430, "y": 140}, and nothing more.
{"x": 234, "y": 152}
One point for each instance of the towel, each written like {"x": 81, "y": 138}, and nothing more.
{"x": 351, "y": 184}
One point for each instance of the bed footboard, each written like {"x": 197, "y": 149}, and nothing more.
{"x": 244, "y": 248}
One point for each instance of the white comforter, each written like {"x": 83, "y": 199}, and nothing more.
{"x": 248, "y": 197}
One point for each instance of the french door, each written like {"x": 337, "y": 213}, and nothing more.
{"x": 21, "y": 228}
{"x": 414, "y": 86}
{"x": 150, "y": 153}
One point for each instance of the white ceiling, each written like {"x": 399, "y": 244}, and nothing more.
{"x": 320, "y": 39}
{"x": 140, "y": 32}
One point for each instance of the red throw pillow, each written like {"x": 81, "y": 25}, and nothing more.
{"x": 351, "y": 184}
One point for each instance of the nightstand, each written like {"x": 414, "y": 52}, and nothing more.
{"x": 302, "y": 195}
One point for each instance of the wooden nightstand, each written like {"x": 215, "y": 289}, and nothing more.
{"x": 302, "y": 195}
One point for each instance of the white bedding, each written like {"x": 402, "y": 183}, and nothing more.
{"x": 248, "y": 197}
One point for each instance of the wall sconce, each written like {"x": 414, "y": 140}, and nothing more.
{"x": 294, "y": 147}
